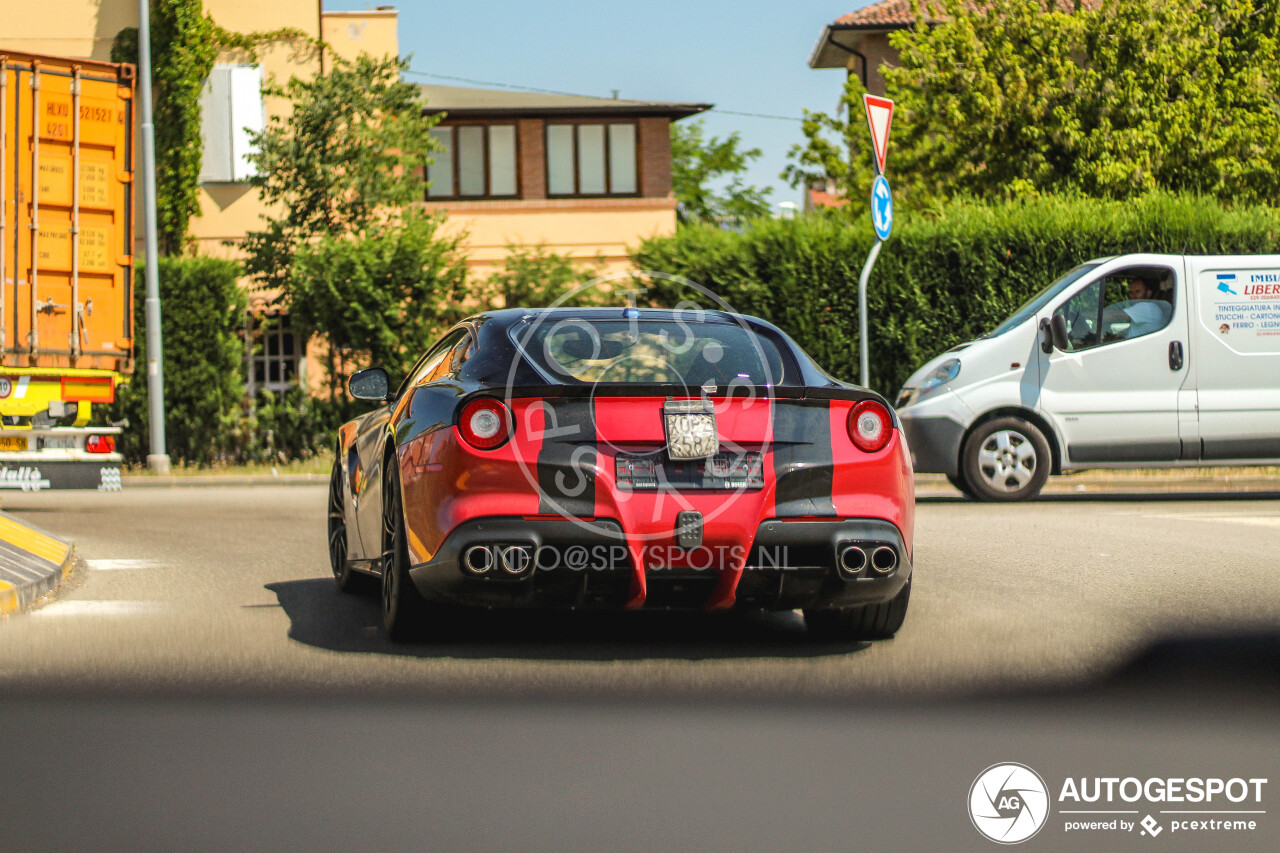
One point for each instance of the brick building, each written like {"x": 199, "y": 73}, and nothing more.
{"x": 587, "y": 177}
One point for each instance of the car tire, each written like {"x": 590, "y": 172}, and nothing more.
{"x": 868, "y": 622}
{"x": 1006, "y": 459}
{"x": 403, "y": 607}
{"x": 349, "y": 580}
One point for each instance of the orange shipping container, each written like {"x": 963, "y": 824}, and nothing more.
{"x": 66, "y": 210}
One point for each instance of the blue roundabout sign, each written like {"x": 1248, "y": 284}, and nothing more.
{"x": 881, "y": 207}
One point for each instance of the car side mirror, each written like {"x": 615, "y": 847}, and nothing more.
{"x": 1058, "y": 328}
{"x": 371, "y": 383}
{"x": 1046, "y": 336}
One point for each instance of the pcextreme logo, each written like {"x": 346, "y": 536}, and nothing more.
{"x": 1008, "y": 803}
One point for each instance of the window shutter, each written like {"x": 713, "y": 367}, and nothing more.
{"x": 215, "y": 126}
{"x": 231, "y": 108}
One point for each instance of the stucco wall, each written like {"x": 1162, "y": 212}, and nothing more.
{"x": 79, "y": 29}
{"x": 589, "y": 229}
{"x": 350, "y": 34}
{"x": 228, "y": 211}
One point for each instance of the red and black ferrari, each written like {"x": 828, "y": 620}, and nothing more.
{"x": 624, "y": 458}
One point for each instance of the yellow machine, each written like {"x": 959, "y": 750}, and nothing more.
{"x": 66, "y": 243}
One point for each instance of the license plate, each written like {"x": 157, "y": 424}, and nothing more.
{"x": 13, "y": 442}
{"x": 691, "y": 429}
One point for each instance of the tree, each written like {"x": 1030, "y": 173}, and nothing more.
{"x": 348, "y": 154}
{"x": 1185, "y": 98}
{"x": 1013, "y": 100}
{"x": 988, "y": 101}
{"x": 352, "y": 260}
{"x": 534, "y": 277}
{"x": 846, "y": 159}
{"x": 201, "y": 324}
{"x": 378, "y": 297}
{"x": 697, "y": 162}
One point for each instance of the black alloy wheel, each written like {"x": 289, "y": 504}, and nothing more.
{"x": 403, "y": 608}
{"x": 349, "y": 580}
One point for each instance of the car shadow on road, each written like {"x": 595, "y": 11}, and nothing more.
{"x": 1114, "y": 497}
{"x": 322, "y": 616}
{"x": 1243, "y": 664}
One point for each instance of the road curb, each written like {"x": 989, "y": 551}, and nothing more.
{"x": 144, "y": 481}
{"x": 32, "y": 563}
{"x": 936, "y": 485}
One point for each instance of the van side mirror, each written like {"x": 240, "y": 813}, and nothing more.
{"x": 371, "y": 383}
{"x": 1058, "y": 327}
{"x": 1046, "y": 337}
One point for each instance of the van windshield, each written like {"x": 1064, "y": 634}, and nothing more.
{"x": 1035, "y": 303}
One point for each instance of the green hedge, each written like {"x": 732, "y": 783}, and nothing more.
{"x": 942, "y": 278}
{"x": 202, "y": 308}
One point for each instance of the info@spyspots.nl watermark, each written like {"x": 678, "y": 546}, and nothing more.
{"x": 1010, "y": 803}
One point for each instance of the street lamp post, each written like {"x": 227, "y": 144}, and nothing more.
{"x": 158, "y": 458}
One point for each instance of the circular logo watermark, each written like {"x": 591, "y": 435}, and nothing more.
{"x": 602, "y": 356}
{"x": 1008, "y": 803}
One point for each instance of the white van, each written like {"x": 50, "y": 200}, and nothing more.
{"x": 1132, "y": 361}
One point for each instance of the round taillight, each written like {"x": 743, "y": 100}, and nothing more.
{"x": 870, "y": 426}
{"x": 485, "y": 424}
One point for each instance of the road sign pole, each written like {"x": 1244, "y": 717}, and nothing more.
{"x": 865, "y": 374}
{"x": 879, "y": 119}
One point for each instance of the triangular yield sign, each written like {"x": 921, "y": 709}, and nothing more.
{"x": 879, "y": 117}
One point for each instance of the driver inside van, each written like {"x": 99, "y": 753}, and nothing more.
{"x": 1144, "y": 310}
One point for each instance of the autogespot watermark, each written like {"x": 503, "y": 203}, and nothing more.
{"x": 1009, "y": 803}
{"x": 604, "y": 354}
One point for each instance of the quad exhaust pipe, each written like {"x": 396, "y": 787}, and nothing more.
{"x": 515, "y": 558}
{"x": 512, "y": 560}
{"x": 884, "y": 560}
{"x": 477, "y": 559}
{"x": 853, "y": 559}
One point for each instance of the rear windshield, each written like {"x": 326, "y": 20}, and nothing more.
{"x": 580, "y": 352}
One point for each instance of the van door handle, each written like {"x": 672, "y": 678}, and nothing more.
{"x": 1175, "y": 355}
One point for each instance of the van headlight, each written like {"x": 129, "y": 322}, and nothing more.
{"x": 941, "y": 375}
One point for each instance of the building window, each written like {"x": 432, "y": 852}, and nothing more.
{"x": 274, "y": 354}
{"x": 473, "y": 161}
{"x": 591, "y": 159}
{"x": 231, "y": 111}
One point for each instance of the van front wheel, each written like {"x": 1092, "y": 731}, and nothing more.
{"x": 1006, "y": 459}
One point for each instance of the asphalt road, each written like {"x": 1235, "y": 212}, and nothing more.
{"x": 228, "y": 589}
{"x": 201, "y": 672}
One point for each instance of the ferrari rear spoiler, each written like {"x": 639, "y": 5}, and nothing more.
{"x": 632, "y": 389}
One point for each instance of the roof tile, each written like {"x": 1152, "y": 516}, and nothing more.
{"x": 894, "y": 14}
